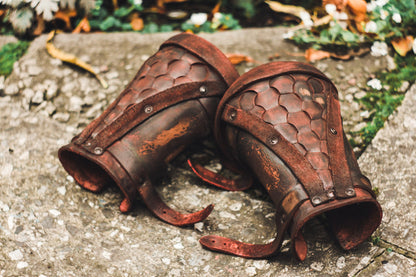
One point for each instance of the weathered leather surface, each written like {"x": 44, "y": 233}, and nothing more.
{"x": 283, "y": 121}
{"x": 169, "y": 104}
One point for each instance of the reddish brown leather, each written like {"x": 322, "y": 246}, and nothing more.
{"x": 283, "y": 121}
{"x": 169, "y": 104}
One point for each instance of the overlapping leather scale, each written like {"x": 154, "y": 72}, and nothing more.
{"x": 169, "y": 67}
{"x": 296, "y": 106}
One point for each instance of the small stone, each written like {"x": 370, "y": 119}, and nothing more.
{"x": 199, "y": 226}
{"x": 251, "y": 271}
{"x": 38, "y": 97}
{"x": 21, "y": 265}
{"x": 359, "y": 95}
{"x": 107, "y": 255}
{"x": 6, "y": 170}
{"x": 75, "y": 104}
{"x": 214, "y": 167}
{"x": 166, "y": 261}
{"x": 51, "y": 92}
{"x": 261, "y": 264}
{"x": 34, "y": 70}
{"x": 178, "y": 246}
{"x": 391, "y": 64}
{"x": 50, "y": 108}
{"x": 404, "y": 87}
{"x": 61, "y": 117}
{"x": 89, "y": 100}
{"x": 349, "y": 97}
{"x": 11, "y": 90}
{"x": 112, "y": 75}
{"x": 1, "y": 83}
{"x": 94, "y": 111}
{"x": 54, "y": 212}
{"x": 317, "y": 266}
{"x": 227, "y": 215}
{"x": 236, "y": 207}
{"x": 341, "y": 262}
{"x": 16, "y": 255}
{"x": 62, "y": 190}
{"x": 358, "y": 127}
{"x": 340, "y": 67}
{"x": 352, "y": 81}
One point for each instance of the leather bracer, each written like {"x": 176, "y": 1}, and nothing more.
{"x": 282, "y": 120}
{"x": 169, "y": 104}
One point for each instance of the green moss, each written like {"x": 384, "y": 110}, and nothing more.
{"x": 382, "y": 104}
{"x": 9, "y": 54}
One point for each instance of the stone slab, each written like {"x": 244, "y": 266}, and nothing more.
{"x": 390, "y": 163}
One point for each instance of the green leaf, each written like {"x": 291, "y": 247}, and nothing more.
{"x": 166, "y": 28}
{"x": 122, "y": 12}
{"x": 110, "y": 23}
{"x": 151, "y": 27}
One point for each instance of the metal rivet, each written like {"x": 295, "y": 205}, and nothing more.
{"x": 273, "y": 140}
{"x": 148, "y": 109}
{"x": 88, "y": 143}
{"x": 350, "y": 191}
{"x": 233, "y": 115}
{"x": 316, "y": 200}
{"x": 98, "y": 150}
{"x": 330, "y": 194}
{"x": 203, "y": 90}
{"x": 333, "y": 131}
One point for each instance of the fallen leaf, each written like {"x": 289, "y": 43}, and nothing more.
{"x": 216, "y": 9}
{"x": 115, "y": 4}
{"x": 40, "y": 26}
{"x": 65, "y": 15}
{"x": 69, "y": 58}
{"x": 290, "y": 9}
{"x": 358, "y": 8}
{"x": 239, "y": 58}
{"x": 312, "y": 55}
{"x": 403, "y": 45}
{"x": 322, "y": 21}
{"x": 83, "y": 25}
{"x": 161, "y": 3}
{"x": 137, "y": 23}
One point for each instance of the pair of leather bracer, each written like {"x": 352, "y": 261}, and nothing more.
{"x": 170, "y": 103}
{"x": 282, "y": 120}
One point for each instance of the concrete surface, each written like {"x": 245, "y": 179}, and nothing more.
{"x": 49, "y": 226}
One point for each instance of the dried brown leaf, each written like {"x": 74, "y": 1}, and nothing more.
{"x": 236, "y": 58}
{"x": 70, "y": 58}
{"x": 137, "y": 23}
{"x": 83, "y": 25}
{"x": 403, "y": 45}
{"x": 40, "y": 27}
{"x": 290, "y": 9}
{"x": 312, "y": 55}
{"x": 358, "y": 8}
{"x": 65, "y": 15}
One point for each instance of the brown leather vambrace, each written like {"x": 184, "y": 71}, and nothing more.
{"x": 282, "y": 120}
{"x": 169, "y": 104}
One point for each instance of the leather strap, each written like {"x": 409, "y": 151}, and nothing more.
{"x": 242, "y": 183}
{"x": 161, "y": 210}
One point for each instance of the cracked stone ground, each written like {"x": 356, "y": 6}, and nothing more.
{"x": 49, "y": 226}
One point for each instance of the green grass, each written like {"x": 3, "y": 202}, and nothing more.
{"x": 382, "y": 104}
{"x": 9, "y": 54}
